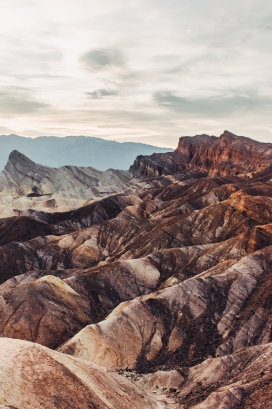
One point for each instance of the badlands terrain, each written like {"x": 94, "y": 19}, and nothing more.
{"x": 147, "y": 288}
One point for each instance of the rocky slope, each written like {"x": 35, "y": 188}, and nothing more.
{"x": 24, "y": 177}
{"x": 25, "y": 185}
{"x": 36, "y": 377}
{"x": 156, "y": 297}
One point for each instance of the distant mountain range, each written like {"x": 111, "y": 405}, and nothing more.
{"x": 76, "y": 150}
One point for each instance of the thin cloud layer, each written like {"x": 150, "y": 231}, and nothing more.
{"x": 222, "y": 105}
{"x": 103, "y": 59}
{"x": 102, "y": 93}
{"x": 135, "y": 70}
{"x": 19, "y": 101}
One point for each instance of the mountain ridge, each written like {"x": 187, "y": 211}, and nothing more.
{"x": 227, "y": 155}
{"x": 75, "y": 150}
{"x": 26, "y": 186}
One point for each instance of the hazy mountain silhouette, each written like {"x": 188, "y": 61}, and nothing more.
{"x": 75, "y": 150}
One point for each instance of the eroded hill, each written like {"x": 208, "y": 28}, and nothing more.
{"x": 162, "y": 294}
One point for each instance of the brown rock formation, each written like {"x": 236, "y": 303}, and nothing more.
{"x": 45, "y": 310}
{"x": 215, "y": 313}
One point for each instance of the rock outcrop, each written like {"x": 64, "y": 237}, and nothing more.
{"x": 229, "y": 155}
{"x": 25, "y": 185}
{"x": 24, "y": 177}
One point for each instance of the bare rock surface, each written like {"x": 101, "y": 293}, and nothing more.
{"x": 34, "y": 377}
{"x": 49, "y": 309}
{"x": 214, "y": 313}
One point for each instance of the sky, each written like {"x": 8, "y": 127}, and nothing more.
{"x": 134, "y": 70}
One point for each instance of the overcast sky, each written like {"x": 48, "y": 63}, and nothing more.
{"x": 135, "y": 70}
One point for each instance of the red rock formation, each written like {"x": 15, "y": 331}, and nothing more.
{"x": 229, "y": 155}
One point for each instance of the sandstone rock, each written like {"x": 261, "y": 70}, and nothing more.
{"x": 25, "y": 177}
{"x": 46, "y": 310}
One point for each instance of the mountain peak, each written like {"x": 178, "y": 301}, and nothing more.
{"x": 24, "y": 177}
{"x": 228, "y": 133}
{"x": 17, "y": 168}
{"x": 17, "y": 157}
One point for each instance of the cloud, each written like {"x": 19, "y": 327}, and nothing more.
{"x": 17, "y": 100}
{"x": 102, "y": 93}
{"x": 5, "y": 130}
{"x": 232, "y": 102}
{"x": 102, "y": 59}
{"x": 109, "y": 64}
